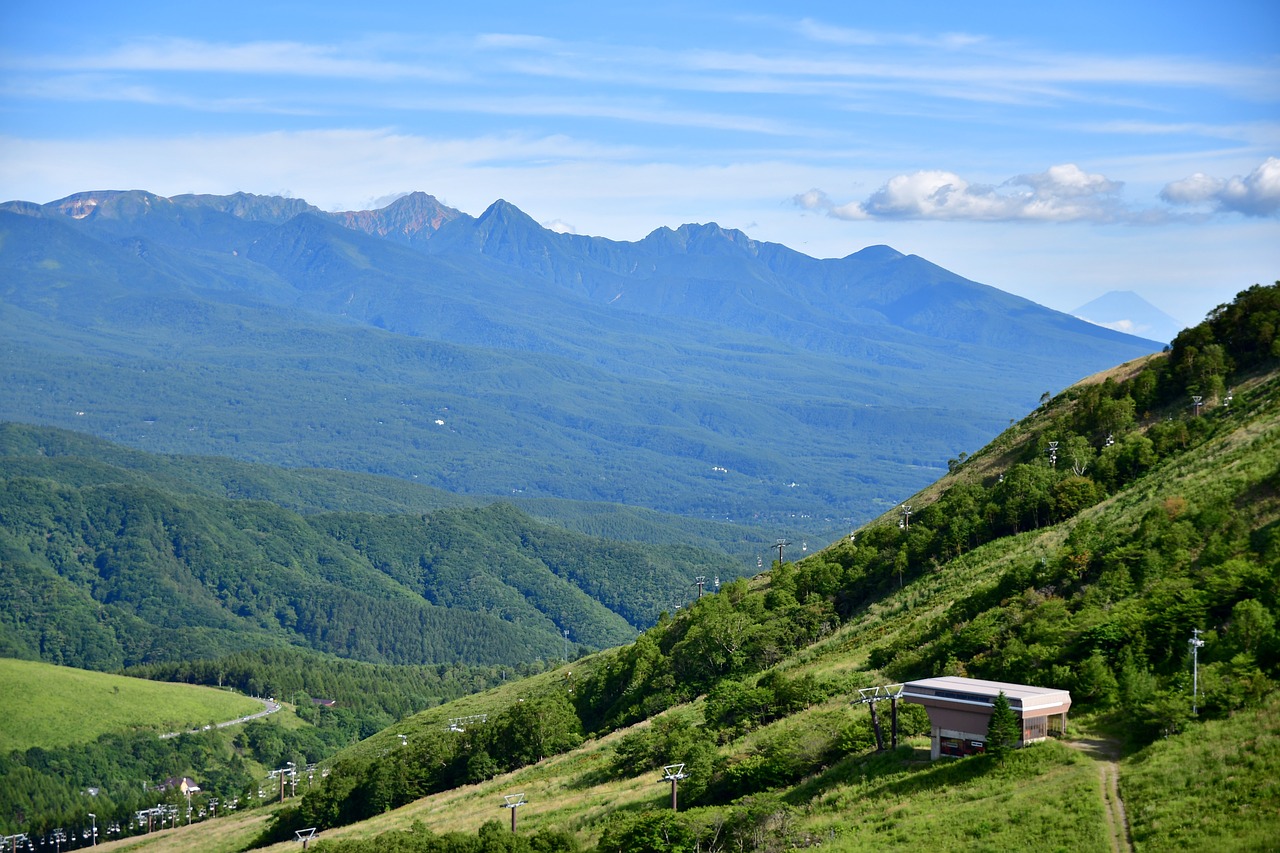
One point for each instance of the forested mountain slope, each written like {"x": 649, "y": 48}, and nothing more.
{"x": 103, "y": 566}
{"x": 695, "y": 372}
{"x": 1087, "y": 569}
{"x": 80, "y": 459}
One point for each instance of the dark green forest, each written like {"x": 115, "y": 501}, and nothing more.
{"x": 41, "y": 789}
{"x": 102, "y": 572}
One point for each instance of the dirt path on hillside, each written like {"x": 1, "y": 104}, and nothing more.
{"x": 1107, "y": 754}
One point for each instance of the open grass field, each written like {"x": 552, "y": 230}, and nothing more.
{"x": 48, "y": 706}
{"x": 1219, "y": 790}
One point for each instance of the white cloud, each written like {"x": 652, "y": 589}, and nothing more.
{"x": 516, "y": 41}
{"x": 1068, "y": 181}
{"x": 1064, "y": 193}
{"x": 819, "y": 31}
{"x": 284, "y": 58}
{"x": 813, "y": 200}
{"x": 385, "y": 200}
{"x": 1129, "y": 327}
{"x": 1255, "y": 194}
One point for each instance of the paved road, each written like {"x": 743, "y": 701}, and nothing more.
{"x": 270, "y": 706}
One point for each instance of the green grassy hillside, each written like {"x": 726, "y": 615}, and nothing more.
{"x": 47, "y": 706}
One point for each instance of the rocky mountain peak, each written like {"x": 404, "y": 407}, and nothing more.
{"x": 413, "y": 216}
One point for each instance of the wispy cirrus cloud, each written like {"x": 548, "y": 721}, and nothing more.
{"x": 653, "y": 111}
{"x": 960, "y": 67}
{"x": 109, "y": 88}
{"x": 277, "y": 58}
{"x": 819, "y": 31}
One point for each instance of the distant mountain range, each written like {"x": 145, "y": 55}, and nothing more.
{"x": 696, "y": 371}
{"x": 1126, "y": 311}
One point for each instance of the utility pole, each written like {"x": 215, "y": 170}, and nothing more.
{"x": 782, "y": 543}
{"x": 1195, "y": 642}
{"x": 700, "y": 582}
{"x": 906, "y": 517}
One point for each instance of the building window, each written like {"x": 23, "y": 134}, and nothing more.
{"x": 960, "y": 747}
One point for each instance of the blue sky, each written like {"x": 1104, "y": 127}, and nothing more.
{"x": 1053, "y": 150}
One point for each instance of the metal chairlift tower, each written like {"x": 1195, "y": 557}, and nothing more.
{"x": 673, "y": 773}
{"x": 513, "y": 802}
{"x": 871, "y": 696}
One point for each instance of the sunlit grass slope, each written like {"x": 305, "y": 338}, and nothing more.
{"x": 46, "y": 706}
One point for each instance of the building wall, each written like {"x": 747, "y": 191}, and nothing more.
{"x": 971, "y": 725}
{"x": 956, "y": 743}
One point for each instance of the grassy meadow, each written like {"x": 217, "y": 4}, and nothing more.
{"x": 1218, "y": 789}
{"x": 49, "y": 706}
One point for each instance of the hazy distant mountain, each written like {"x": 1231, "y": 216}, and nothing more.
{"x": 696, "y": 371}
{"x": 1126, "y": 311}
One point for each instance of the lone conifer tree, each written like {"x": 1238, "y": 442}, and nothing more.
{"x": 1003, "y": 732}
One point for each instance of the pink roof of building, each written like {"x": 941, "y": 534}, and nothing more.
{"x": 1029, "y": 700}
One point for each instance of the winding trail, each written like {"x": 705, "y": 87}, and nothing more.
{"x": 270, "y": 707}
{"x": 1107, "y": 753}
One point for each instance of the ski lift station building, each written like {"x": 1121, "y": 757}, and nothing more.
{"x": 960, "y": 711}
